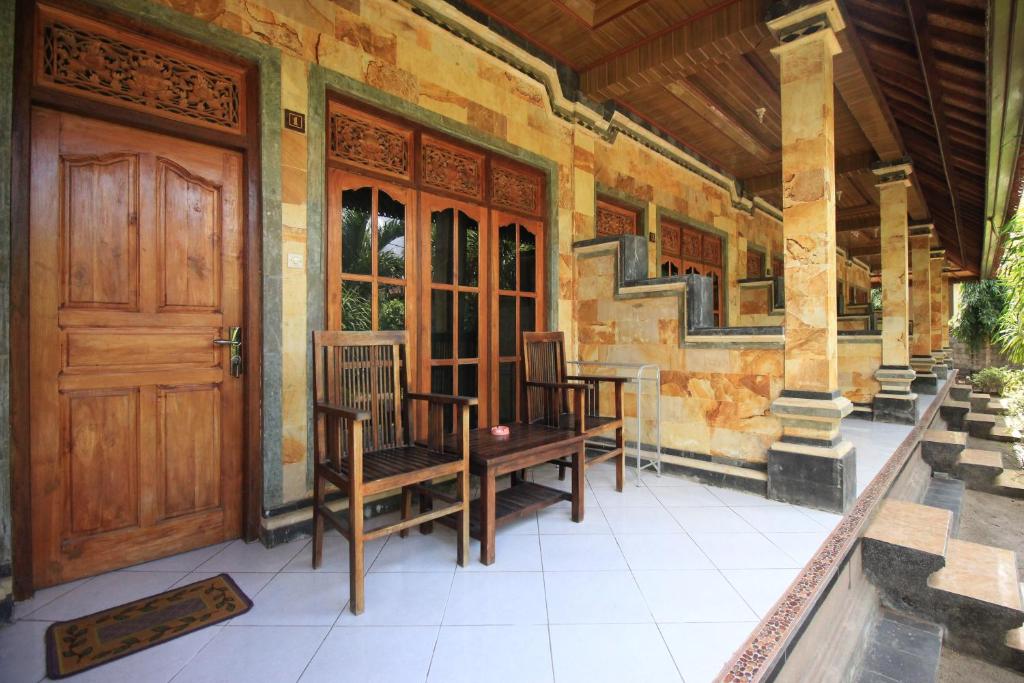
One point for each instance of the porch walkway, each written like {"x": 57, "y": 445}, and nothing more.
{"x": 661, "y": 582}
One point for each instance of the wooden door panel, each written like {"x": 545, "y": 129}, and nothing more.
{"x": 99, "y": 231}
{"x": 101, "y": 444}
{"x": 134, "y": 272}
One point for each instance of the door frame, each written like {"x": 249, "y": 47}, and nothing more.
{"x": 26, "y": 96}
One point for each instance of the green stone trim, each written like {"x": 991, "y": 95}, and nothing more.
{"x": 268, "y": 60}
{"x": 677, "y": 217}
{"x": 321, "y": 81}
{"x": 6, "y": 103}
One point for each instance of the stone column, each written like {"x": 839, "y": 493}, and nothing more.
{"x": 938, "y": 259}
{"x": 895, "y": 402}
{"x": 921, "y": 311}
{"x": 811, "y": 464}
{"x": 947, "y": 313}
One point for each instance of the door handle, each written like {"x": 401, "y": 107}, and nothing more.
{"x": 234, "y": 342}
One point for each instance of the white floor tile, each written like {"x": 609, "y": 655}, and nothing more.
{"x": 801, "y": 547}
{"x": 652, "y": 480}
{"x": 254, "y": 653}
{"x": 594, "y": 598}
{"x": 44, "y": 596}
{"x": 612, "y": 653}
{"x": 827, "y": 520}
{"x": 662, "y": 551}
{"x": 250, "y": 583}
{"x": 710, "y": 520}
{"x": 735, "y": 498}
{"x": 155, "y": 665}
{"x": 515, "y": 553}
{"x": 761, "y": 588}
{"x": 253, "y": 557}
{"x": 23, "y": 651}
{"x": 557, "y": 519}
{"x": 479, "y": 654}
{"x": 743, "y": 551}
{"x": 497, "y": 598}
{"x": 335, "y": 554}
{"x": 642, "y": 520}
{"x": 581, "y": 552}
{"x": 435, "y": 552}
{"x": 373, "y": 653}
{"x": 691, "y": 495}
{"x": 701, "y": 650}
{"x": 630, "y": 496}
{"x": 778, "y": 519}
{"x": 105, "y": 591}
{"x": 688, "y": 595}
{"x": 401, "y": 599}
{"x": 298, "y": 599}
{"x": 182, "y": 562}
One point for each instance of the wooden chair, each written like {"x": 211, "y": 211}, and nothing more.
{"x": 546, "y": 389}
{"x": 364, "y": 443}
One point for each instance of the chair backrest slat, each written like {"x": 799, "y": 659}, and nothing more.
{"x": 365, "y": 371}
{"x": 543, "y": 361}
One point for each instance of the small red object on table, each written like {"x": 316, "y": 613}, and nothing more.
{"x": 499, "y": 430}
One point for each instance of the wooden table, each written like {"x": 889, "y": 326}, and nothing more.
{"x": 526, "y": 445}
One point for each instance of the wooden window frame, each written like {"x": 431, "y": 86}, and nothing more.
{"x": 687, "y": 263}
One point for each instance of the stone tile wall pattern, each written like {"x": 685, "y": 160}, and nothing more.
{"x": 859, "y": 360}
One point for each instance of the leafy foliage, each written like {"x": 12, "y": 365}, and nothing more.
{"x": 1010, "y": 335}
{"x": 993, "y": 380}
{"x": 876, "y": 298}
{"x": 981, "y": 306}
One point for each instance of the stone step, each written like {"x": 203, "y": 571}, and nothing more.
{"x": 1015, "y": 645}
{"x": 977, "y": 597}
{"x": 996, "y": 406}
{"x": 947, "y": 493}
{"x": 1002, "y": 434}
{"x": 1009, "y": 483}
{"x": 961, "y": 392}
{"x": 980, "y": 424}
{"x": 905, "y": 544}
{"x": 978, "y": 468}
{"x": 940, "y": 448}
{"x": 901, "y": 648}
{"x": 953, "y": 412}
{"x": 979, "y": 401}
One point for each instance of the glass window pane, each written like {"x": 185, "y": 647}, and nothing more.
{"x": 506, "y": 392}
{"x": 507, "y": 257}
{"x": 442, "y": 260}
{"x": 356, "y": 210}
{"x": 527, "y": 314}
{"x": 527, "y": 260}
{"x": 390, "y": 236}
{"x": 507, "y": 326}
{"x": 469, "y": 325}
{"x": 391, "y": 307}
{"x": 441, "y": 324}
{"x": 356, "y": 313}
{"x": 468, "y": 386}
{"x": 469, "y": 251}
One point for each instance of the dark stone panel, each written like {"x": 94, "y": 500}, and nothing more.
{"x": 925, "y": 384}
{"x": 857, "y": 333}
{"x": 902, "y": 649}
{"x": 737, "y": 331}
{"x": 895, "y": 410}
{"x": 814, "y": 395}
{"x": 633, "y": 258}
{"x": 700, "y": 307}
{"x": 818, "y": 482}
{"x": 946, "y": 493}
{"x": 6, "y": 609}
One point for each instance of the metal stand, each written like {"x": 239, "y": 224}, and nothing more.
{"x": 635, "y": 373}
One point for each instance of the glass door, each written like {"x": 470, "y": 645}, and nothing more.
{"x": 453, "y": 327}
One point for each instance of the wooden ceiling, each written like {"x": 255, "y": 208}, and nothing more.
{"x": 910, "y": 81}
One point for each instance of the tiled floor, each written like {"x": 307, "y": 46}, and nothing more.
{"x": 660, "y": 583}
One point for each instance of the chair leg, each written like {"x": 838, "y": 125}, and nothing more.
{"x": 426, "y": 505}
{"x": 620, "y": 461}
{"x": 355, "y": 551}
{"x": 318, "y": 521}
{"x": 561, "y": 471}
{"x": 462, "y": 519}
{"x": 406, "y": 508}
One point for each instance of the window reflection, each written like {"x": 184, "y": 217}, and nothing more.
{"x": 356, "y": 247}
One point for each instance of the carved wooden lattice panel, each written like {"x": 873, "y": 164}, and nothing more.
{"x": 84, "y": 57}
{"x": 516, "y": 190}
{"x": 613, "y": 220}
{"x": 370, "y": 143}
{"x": 671, "y": 240}
{"x": 691, "y": 245}
{"x": 711, "y": 249}
{"x": 452, "y": 169}
{"x": 755, "y": 263}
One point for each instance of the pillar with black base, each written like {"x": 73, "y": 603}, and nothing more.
{"x": 921, "y": 359}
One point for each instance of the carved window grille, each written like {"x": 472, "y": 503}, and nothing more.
{"x": 451, "y": 169}
{"x": 515, "y": 190}
{"x": 369, "y": 143}
{"x": 755, "y": 263}
{"x": 613, "y": 220}
{"x": 83, "y": 57}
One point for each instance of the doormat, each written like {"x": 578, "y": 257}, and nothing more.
{"x": 90, "y": 641}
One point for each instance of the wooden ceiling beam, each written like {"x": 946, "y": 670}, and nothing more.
{"x": 723, "y": 31}
{"x": 696, "y": 99}
{"x": 772, "y": 181}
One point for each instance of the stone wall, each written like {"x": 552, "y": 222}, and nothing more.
{"x": 860, "y": 357}
{"x": 986, "y": 357}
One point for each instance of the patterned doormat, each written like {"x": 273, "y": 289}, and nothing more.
{"x": 80, "y": 644}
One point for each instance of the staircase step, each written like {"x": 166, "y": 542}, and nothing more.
{"x": 1009, "y": 483}
{"x": 946, "y": 493}
{"x": 979, "y": 424}
{"x": 979, "y": 401}
{"x": 940, "y": 448}
{"x": 905, "y": 543}
{"x": 996, "y": 406}
{"x": 961, "y": 392}
{"x": 901, "y": 648}
{"x": 979, "y": 468}
{"x": 1002, "y": 434}
{"x": 953, "y": 412}
{"x": 982, "y": 579}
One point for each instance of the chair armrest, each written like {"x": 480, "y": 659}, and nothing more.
{"x": 443, "y": 398}
{"x": 347, "y": 413}
{"x": 555, "y": 385}
{"x": 598, "y": 378}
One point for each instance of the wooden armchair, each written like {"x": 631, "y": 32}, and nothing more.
{"x": 547, "y": 386}
{"x": 363, "y": 441}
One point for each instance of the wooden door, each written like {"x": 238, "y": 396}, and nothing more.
{"x": 455, "y": 281}
{"x": 136, "y": 244}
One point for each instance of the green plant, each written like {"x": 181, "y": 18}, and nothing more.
{"x": 981, "y": 308}
{"x": 876, "y": 298}
{"x": 991, "y": 380}
{"x": 1010, "y": 335}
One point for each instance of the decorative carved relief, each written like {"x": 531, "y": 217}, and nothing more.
{"x": 612, "y": 220}
{"x": 514, "y": 190}
{"x": 755, "y": 264}
{"x": 93, "y": 63}
{"x": 451, "y": 169}
{"x": 691, "y": 245}
{"x": 671, "y": 240}
{"x": 711, "y": 250}
{"x": 370, "y": 143}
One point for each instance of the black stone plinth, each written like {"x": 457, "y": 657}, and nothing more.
{"x": 820, "y": 482}
{"x": 926, "y": 383}
{"x": 895, "y": 409}
{"x": 700, "y": 302}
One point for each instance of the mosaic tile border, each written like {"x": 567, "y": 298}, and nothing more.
{"x": 767, "y": 646}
